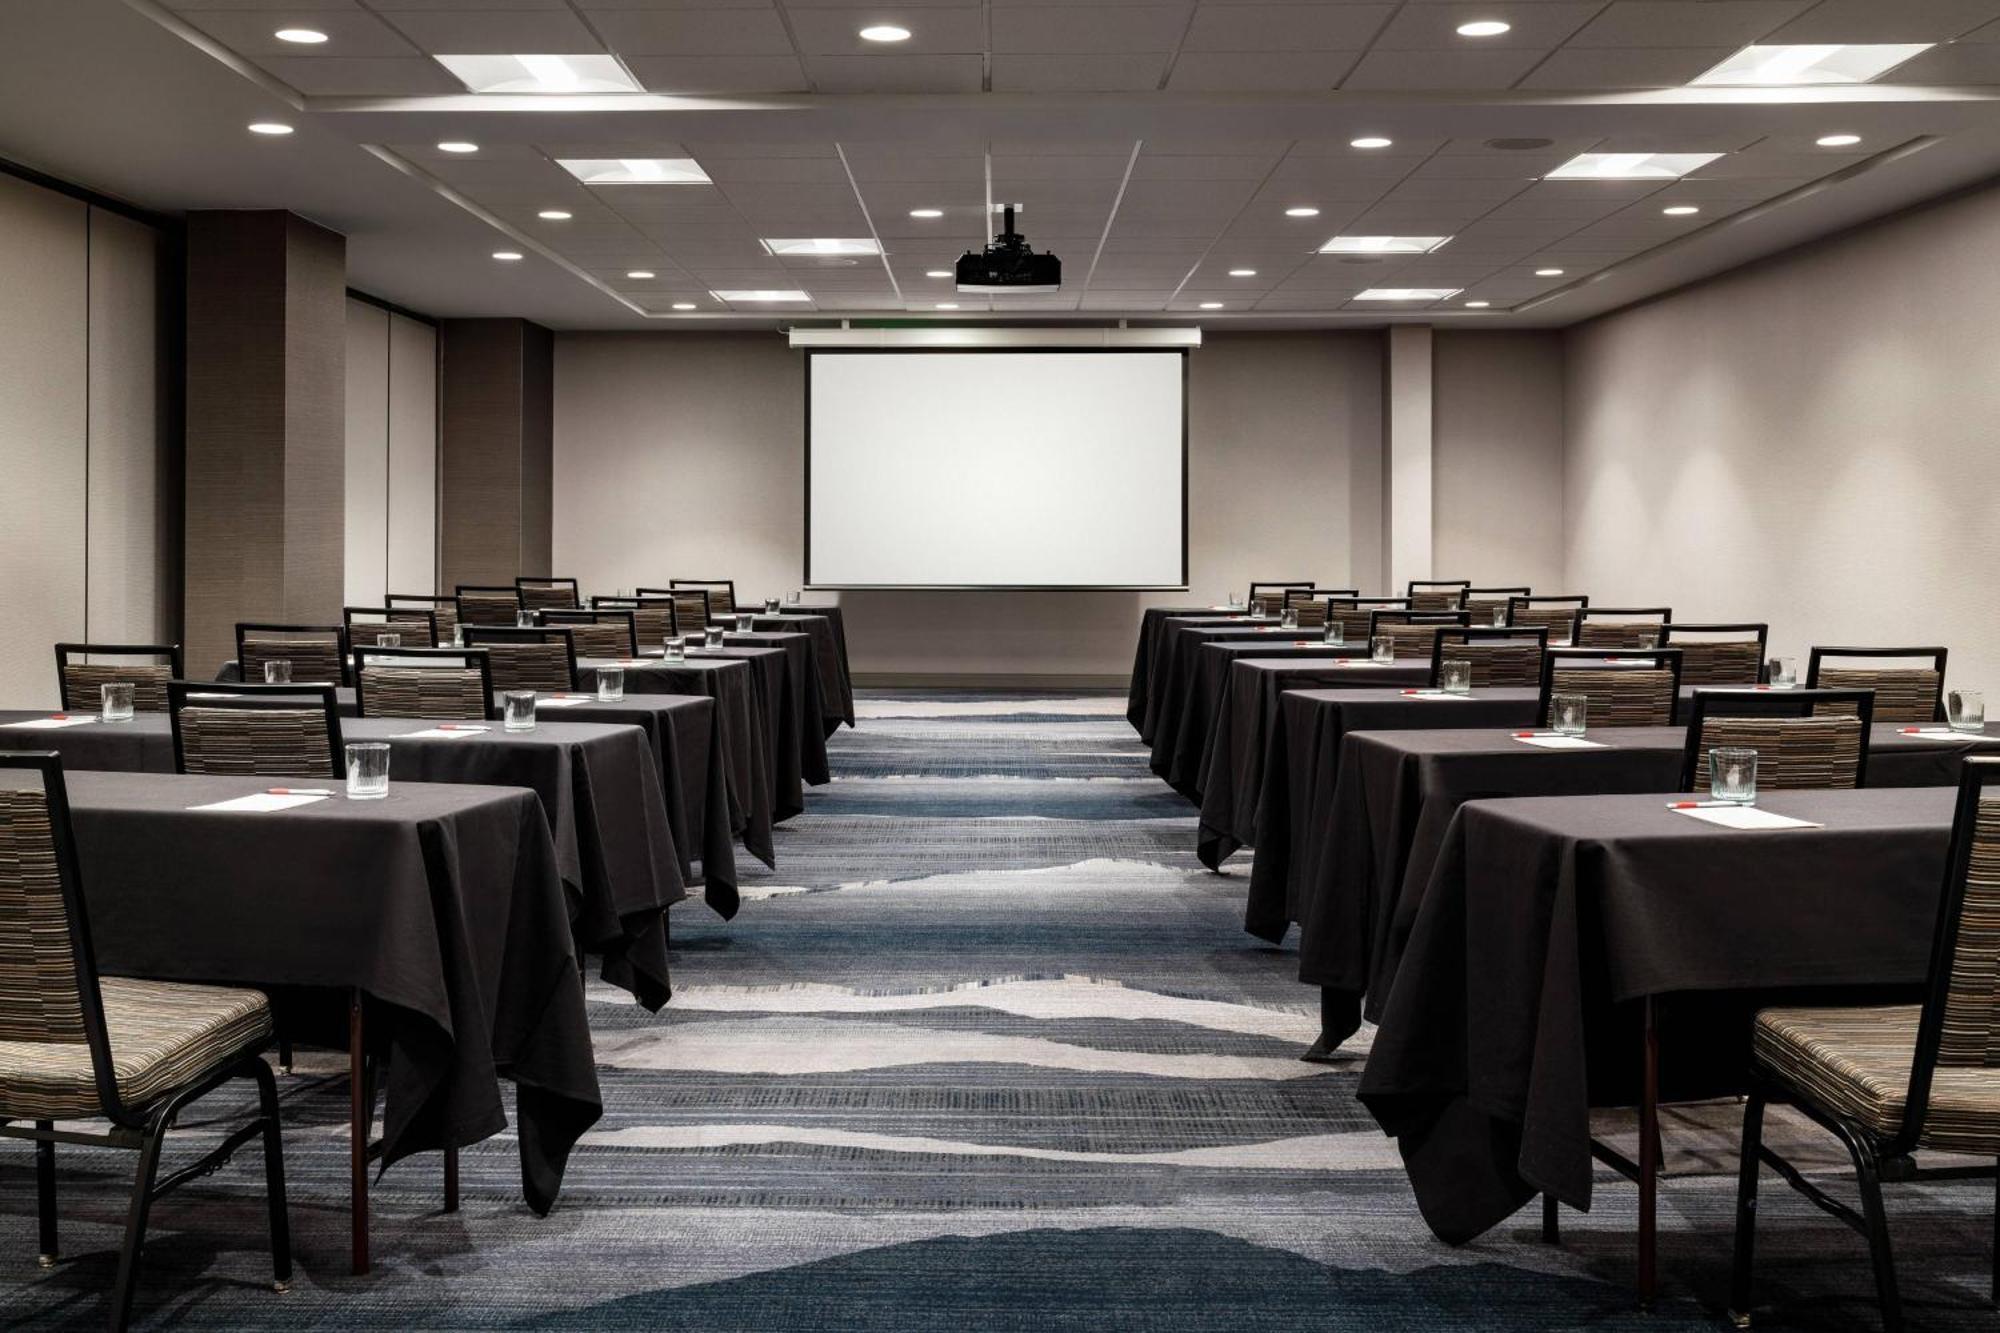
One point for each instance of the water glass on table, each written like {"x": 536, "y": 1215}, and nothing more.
{"x": 794, "y": 596}
{"x": 519, "y": 714}
{"x": 610, "y": 684}
{"x": 675, "y": 646}
{"x": 524, "y": 619}
{"x": 1382, "y": 649}
{"x": 278, "y": 671}
{"x": 1732, "y": 774}
{"x": 1336, "y": 636}
{"x": 1500, "y": 617}
{"x": 1289, "y": 619}
{"x": 116, "y": 702}
{"x": 1569, "y": 714}
{"x": 770, "y": 606}
{"x": 1783, "y": 672}
{"x": 712, "y": 637}
{"x": 389, "y": 639}
{"x": 1965, "y": 710}
{"x": 367, "y": 770}
{"x": 1455, "y": 676}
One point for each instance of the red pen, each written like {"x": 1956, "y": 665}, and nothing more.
{"x": 1524, "y": 735}
{"x": 297, "y": 791}
{"x": 58, "y": 717}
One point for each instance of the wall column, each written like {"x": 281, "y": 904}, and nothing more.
{"x": 1406, "y": 479}
{"x": 266, "y": 424}
{"x": 496, "y": 450}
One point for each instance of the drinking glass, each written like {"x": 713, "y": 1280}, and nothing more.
{"x": 1784, "y": 671}
{"x": 524, "y": 619}
{"x": 745, "y": 622}
{"x": 1569, "y": 714}
{"x": 367, "y": 770}
{"x": 1732, "y": 774}
{"x": 389, "y": 639}
{"x": 676, "y": 646}
{"x": 793, "y": 596}
{"x": 1965, "y": 708}
{"x": 520, "y": 715}
{"x": 1335, "y": 635}
{"x": 1455, "y": 676}
{"x": 278, "y": 671}
{"x": 1499, "y": 617}
{"x": 610, "y": 684}
{"x": 1382, "y": 648}
{"x": 712, "y": 637}
{"x": 458, "y": 636}
{"x": 1235, "y": 603}
{"x": 117, "y": 702}
{"x": 770, "y": 606}
{"x": 1290, "y": 618}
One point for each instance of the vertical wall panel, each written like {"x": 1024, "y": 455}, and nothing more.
{"x": 44, "y": 274}
{"x": 367, "y": 518}
{"x": 412, "y": 517}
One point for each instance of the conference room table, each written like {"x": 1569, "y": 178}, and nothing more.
{"x": 596, "y": 784}
{"x": 805, "y": 709}
{"x": 1152, "y": 622}
{"x": 1560, "y": 936}
{"x": 829, "y": 638}
{"x": 444, "y": 905}
{"x": 1173, "y": 662}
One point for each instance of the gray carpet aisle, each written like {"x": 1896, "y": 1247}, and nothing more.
{"x": 990, "y": 1050}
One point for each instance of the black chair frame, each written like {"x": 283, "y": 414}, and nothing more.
{"x": 666, "y": 603}
{"x": 688, "y": 585}
{"x": 261, "y": 627}
{"x": 478, "y": 634}
{"x": 1464, "y": 633}
{"x": 556, "y": 617}
{"x": 232, "y": 694}
{"x": 1633, "y": 613}
{"x": 1613, "y": 659}
{"x": 409, "y": 614}
{"x": 142, "y": 1128}
{"x": 1414, "y": 586}
{"x": 65, "y": 651}
{"x": 1760, "y": 629}
{"x": 707, "y": 605}
{"x": 458, "y": 597}
{"x": 464, "y": 659}
{"x": 1722, "y": 701}
{"x": 1933, "y": 652}
{"x": 526, "y": 581}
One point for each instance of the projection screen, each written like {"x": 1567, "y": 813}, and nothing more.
{"x": 996, "y": 469}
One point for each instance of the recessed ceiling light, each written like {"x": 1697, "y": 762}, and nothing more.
{"x": 1407, "y": 293}
{"x": 1302, "y": 212}
{"x": 1548, "y": 273}
{"x": 1680, "y": 210}
{"x": 1477, "y": 305}
{"x": 1383, "y": 245}
{"x": 937, "y": 272}
{"x": 1630, "y": 166}
{"x": 1211, "y": 305}
{"x": 885, "y": 32}
{"x": 760, "y": 294}
{"x": 684, "y": 305}
{"x": 1242, "y": 272}
{"x": 947, "y": 305}
{"x": 458, "y": 146}
{"x": 639, "y": 274}
{"x": 634, "y": 170}
{"x": 822, "y": 245}
{"x": 1370, "y": 141}
{"x": 1837, "y": 140}
{"x": 1483, "y": 28}
{"x": 300, "y": 36}
{"x": 927, "y": 213}
{"x": 1787, "y": 66}
{"x": 554, "y": 215}
{"x": 269, "y": 127}
{"x": 506, "y": 256}
{"x": 541, "y": 74}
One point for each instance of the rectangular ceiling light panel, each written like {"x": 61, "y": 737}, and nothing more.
{"x": 1793, "y": 66}
{"x": 1630, "y": 166}
{"x": 635, "y": 170}
{"x": 542, "y": 74}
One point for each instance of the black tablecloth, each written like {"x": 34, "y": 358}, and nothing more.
{"x": 1150, "y": 623}
{"x": 831, "y": 614}
{"x": 1489, "y": 1058}
{"x": 442, "y": 904}
{"x": 597, "y": 785}
{"x": 804, "y": 714}
{"x": 836, "y": 685}
{"x": 1173, "y": 664}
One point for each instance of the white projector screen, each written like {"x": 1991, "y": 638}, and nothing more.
{"x": 996, "y": 469}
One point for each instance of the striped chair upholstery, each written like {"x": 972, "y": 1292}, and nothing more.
{"x": 280, "y": 742}
{"x": 691, "y": 606}
{"x": 1411, "y": 640}
{"x": 542, "y": 665}
{"x": 1594, "y": 630}
{"x": 1483, "y": 603}
{"x": 544, "y": 594}
{"x": 453, "y": 693}
{"x": 1559, "y": 618}
{"x": 487, "y": 606}
{"x": 1719, "y": 661}
{"x": 1495, "y": 663}
{"x": 1793, "y": 753}
{"x": 1620, "y": 696}
{"x": 1437, "y": 596}
{"x": 1355, "y": 615}
{"x": 653, "y": 618}
{"x": 83, "y": 683}
{"x": 315, "y": 655}
{"x": 444, "y": 609}
{"x": 1269, "y": 603}
{"x": 721, "y": 593}
{"x": 1311, "y": 614}
{"x": 598, "y": 638}
{"x": 1902, "y": 694}
{"x": 412, "y": 624}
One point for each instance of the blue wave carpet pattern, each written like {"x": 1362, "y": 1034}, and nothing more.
{"x": 990, "y": 1050}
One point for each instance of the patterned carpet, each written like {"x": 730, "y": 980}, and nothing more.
{"x": 990, "y": 1050}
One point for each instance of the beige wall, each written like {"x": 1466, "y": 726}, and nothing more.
{"x": 87, "y": 545}
{"x": 391, "y": 493}
{"x": 1497, "y": 466}
{"x": 1808, "y": 442}
{"x": 680, "y": 455}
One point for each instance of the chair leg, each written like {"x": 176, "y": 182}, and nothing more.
{"x": 1746, "y": 1209}
{"x": 1551, "y": 1221}
{"x": 1868, "y": 1177}
{"x": 1995, "y": 1293}
{"x": 285, "y": 1053}
{"x": 360, "y": 1123}
{"x": 143, "y": 1179}
{"x": 45, "y": 1194}
{"x": 274, "y": 1176}
{"x": 1649, "y": 1161}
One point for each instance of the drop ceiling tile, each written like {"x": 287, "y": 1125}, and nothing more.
{"x": 1433, "y": 27}
{"x": 486, "y": 32}
{"x": 896, "y": 74}
{"x": 834, "y": 31}
{"x": 1095, "y": 73}
{"x": 1731, "y": 23}
{"x": 1635, "y": 67}
{"x": 1959, "y": 63}
{"x": 1272, "y": 71}
{"x": 778, "y": 170}
{"x": 869, "y": 164}
{"x": 1491, "y": 167}
{"x": 1421, "y": 189}
{"x": 693, "y": 32}
{"x": 1419, "y": 71}
{"x": 1088, "y": 29}
{"x": 1161, "y": 167}
{"x": 1102, "y": 169}
{"x": 343, "y": 76}
{"x": 1887, "y": 21}
{"x": 478, "y": 5}
{"x": 1109, "y": 300}
{"x": 266, "y": 6}
{"x": 693, "y": 75}
{"x": 350, "y": 33}
{"x": 600, "y": 148}
{"x": 1286, "y": 27}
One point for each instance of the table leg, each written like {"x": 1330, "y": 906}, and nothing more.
{"x": 1649, "y": 1159}
{"x": 361, "y": 1117}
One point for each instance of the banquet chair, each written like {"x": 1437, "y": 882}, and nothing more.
{"x": 721, "y": 593}
{"x": 1489, "y": 605}
{"x": 1891, "y": 1081}
{"x": 78, "y": 1045}
{"x": 654, "y": 619}
{"x": 275, "y": 730}
{"x": 1731, "y": 654}
{"x": 1273, "y": 602}
{"x": 541, "y": 659}
{"x": 1414, "y": 633}
{"x": 1437, "y": 594}
{"x": 487, "y": 605}
{"x": 1902, "y": 694}
{"x": 1354, "y": 615}
{"x": 1557, "y": 611}
{"x": 542, "y": 594}
{"x": 80, "y": 684}
{"x": 1311, "y": 612}
{"x": 317, "y": 652}
{"x": 1498, "y": 657}
{"x": 598, "y": 633}
{"x": 454, "y": 684}
{"x": 1638, "y": 688}
{"x": 418, "y": 629}
{"x": 443, "y": 609}
{"x": 1622, "y": 626}
{"x": 1277, "y": 588}
{"x": 691, "y": 606}
{"x": 1805, "y": 739}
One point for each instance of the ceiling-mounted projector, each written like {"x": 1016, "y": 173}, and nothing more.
{"x": 1009, "y": 266}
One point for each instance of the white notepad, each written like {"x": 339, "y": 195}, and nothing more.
{"x": 1432, "y": 696}
{"x": 51, "y": 723}
{"x": 262, "y": 802}
{"x": 1745, "y": 817}
{"x": 566, "y": 701}
{"x": 1553, "y": 742}
{"x": 1942, "y": 734}
{"x": 445, "y": 733}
